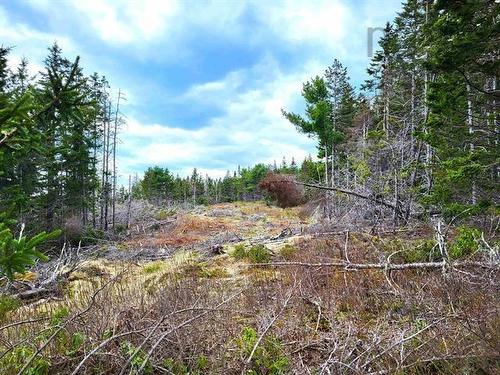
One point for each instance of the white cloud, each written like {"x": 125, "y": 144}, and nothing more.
{"x": 251, "y": 129}
{"x": 317, "y": 22}
{"x": 28, "y": 42}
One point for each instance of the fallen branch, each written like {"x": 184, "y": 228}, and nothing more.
{"x": 69, "y": 320}
{"x": 348, "y": 266}
{"x": 353, "y": 193}
{"x": 186, "y": 322}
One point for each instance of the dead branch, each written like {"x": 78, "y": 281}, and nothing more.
{"x": 257, "y": 343}
{"x": 62, "y": 326}
{"x": 186, "y": 322}
{"x": 348, "y": 266}
{"x": 350, "y": 192}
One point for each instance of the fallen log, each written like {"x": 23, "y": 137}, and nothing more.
{"x": 348, "y": 266}
{"x": 35, "y": 293}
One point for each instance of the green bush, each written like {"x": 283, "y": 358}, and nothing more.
{"x": 288, "y": 251}
{"x": 268, "y": 358}
{"x": 259, "y": 254}
{"x": 254, "y": 254}
{"x": 7, "y": 303}
{"x": 424, "y": 250}
{"x": 466, "y": 242}
{"x": 128, "y": 349}
{"x": 13, "y": 362}
{"x": 178, "y": 367}
{"x": 240, "y": 251}
{"x": 163, "y": 214}
{"x": 91, "y": 236}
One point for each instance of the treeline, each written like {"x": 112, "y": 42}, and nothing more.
{"x": 159, "y": 185}
{"x": 60, "y": 131}
{"x": 423, "y": 130}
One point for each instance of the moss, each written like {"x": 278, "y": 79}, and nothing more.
{"x": 214, "y": 273}
{"x": 421, "y": 251}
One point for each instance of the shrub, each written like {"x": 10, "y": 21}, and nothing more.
{"x": 138, "y": 359}
{"x": 91, "y": 236}
{"x": 465, "y": 243}
{"x": 14, "y": 360}
{"x": 255, "y": 254}
{"x": 424, "y": 250}
{"x": 288, "y": 251}
{"x": 283, "y": 189}
{"x": 240, "y": 251}
{"x": 268, "y": 358}
{"x": 163, "y": 214}
{"x": 259, "y": 254}
{"x": 7, "y": 303}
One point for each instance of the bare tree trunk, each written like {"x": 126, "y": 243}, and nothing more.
{"x": 129, "y": 203}
{"x": 114, "y": 155}
{"x": 332, "y": 175}
{"x": 428, "y": 149}
{"x": 103, "y": 176}
{"x": 106, "y": 184}
{"x": 471, "y": 144}
{"x": 326, "y": 165}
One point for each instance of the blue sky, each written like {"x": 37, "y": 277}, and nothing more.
{"x": 204, "y": 80}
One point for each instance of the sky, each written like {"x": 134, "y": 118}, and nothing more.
{"x": 205, "y": 81}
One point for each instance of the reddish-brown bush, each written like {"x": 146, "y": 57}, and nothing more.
{"x": 283, "y": 189}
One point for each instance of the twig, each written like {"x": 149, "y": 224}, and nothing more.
{"x": 252, "y": 353}
{"x": 186, "y": 322}
{"x": 61, "y": 327}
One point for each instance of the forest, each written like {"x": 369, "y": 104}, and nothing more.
{"x": 378, "y": 255}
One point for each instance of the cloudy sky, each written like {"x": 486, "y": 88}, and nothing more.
{"x": 204, "y": 80}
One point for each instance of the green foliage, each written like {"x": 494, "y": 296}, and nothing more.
{"x": 288, "y": 251}
{"x": 91, "y": 236}
{"x": 163, "y": 214}
{"x": 58, "y": 315}
{"x": 138, "y": 359}
{"x": 240, "y": 251}
{"x": 268, "y": 358}
{"x": 75, "y": 344}
{"x": 7, "y": 303}
{"x": 178, "y": 367}
{"x": 466, "y": 242}
{"x": 255, "y": 254}
{"x": 152, "y": 267}
{"x": 421, "y": 251}
{"x": 259, "y": 254}
{"x": 16, "y": 255}
{"x": 14, "y": 360}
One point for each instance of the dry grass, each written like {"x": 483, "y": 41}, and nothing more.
{"x": 316, "y": 320}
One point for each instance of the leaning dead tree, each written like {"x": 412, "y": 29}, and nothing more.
{"x": 395, "y": 207}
